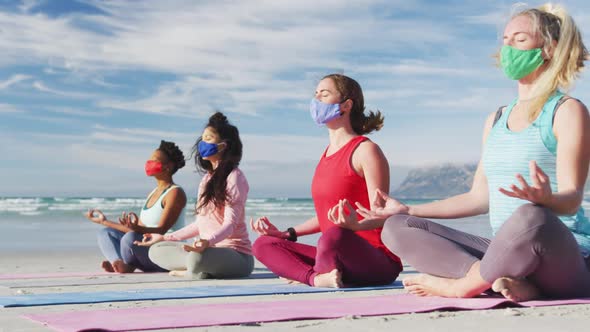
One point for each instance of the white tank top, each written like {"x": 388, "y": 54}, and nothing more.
{"x": 150, "y": 217}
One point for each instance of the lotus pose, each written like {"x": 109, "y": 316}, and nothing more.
{"x": 222, "y": 248}
{"x": 530, "y": 179}
{"x": 351, "y": 167}
{"x": 162, "y": 212}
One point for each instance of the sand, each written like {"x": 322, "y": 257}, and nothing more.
{"x": 561, "y": 318}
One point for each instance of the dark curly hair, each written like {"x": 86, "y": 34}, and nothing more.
{"x": 173, "y": 153}
{"x": 215, "y": 190}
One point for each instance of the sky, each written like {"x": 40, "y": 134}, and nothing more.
{"x": 89, "y": 88}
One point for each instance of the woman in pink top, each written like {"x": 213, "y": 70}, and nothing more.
{"x": 222, "y": 249}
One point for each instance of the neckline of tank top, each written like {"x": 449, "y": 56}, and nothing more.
{"x": 342, "y": 148}
{"x": 145, "y": 206}
{"x": 534, "y": 123}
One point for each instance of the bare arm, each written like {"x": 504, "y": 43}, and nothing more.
{"x": 115, "y": 225}
{"x": 263, "y": 226}
{"x": 369, "y": 161}
{"x": 572, "y": 130}
{"x": 173, "y": 204}
{"x": 310, "y": 226}
{"x": 96, "y": 216}
{"x": 472, "y": 203}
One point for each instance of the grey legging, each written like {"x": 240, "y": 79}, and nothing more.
{"x": 533, "y": 243}
{"x": 212, "y": 263}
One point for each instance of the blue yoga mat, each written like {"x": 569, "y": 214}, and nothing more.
{"x": 170, "y": 293}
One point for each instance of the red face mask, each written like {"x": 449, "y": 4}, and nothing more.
{"x": 152, "y": 167}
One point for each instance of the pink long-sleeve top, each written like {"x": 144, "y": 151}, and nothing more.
{"x": 225, "y": 227}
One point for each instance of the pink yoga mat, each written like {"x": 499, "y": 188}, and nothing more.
{"x": 6, "y": 276}
{"x": 196, "y": 315}
{"x": 12, "y": 276}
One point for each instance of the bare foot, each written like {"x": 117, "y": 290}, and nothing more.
{"x": 107, "y": 266}
{"x": 120, "y": 267}
{"x": 472, "y": 284}
{"x": 517, "y": 290}
{"x": 427, "y": 285}
{"x": 332, "y": 279}
{"x": 177, "y": 273}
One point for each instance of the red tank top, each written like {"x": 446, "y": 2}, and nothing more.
{"x": 335, "y": 179}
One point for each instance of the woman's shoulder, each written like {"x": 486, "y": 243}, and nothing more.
{"x": 175, "y": 193}
{"x": 236, "y": 175}
{"x": 569, "y": 102}
{"x": 368, "y": 148}
{"x": 570, "y": 112}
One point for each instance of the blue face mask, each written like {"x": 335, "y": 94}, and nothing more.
{"x": 207, "y": 149}
{"x": 323, "y": 113}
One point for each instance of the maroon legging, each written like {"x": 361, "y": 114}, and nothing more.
{"x": 360, "y": 263}
{"x": 533, "y": 243}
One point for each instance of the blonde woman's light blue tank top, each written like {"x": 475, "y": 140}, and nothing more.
{"x": 507, "y": 153}
{"x": 150, "y": 217}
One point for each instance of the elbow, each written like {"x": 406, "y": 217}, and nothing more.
{"x": 479, "y": 202}
{"x": 571, "y": 211}
{"x": 573, "y": 206}
{"x": 484, "y": 209}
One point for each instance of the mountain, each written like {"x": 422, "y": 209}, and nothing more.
{"x": 436, "y": 182}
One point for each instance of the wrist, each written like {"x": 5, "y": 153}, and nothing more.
{"x": 548, "y": 201}
{"x": 291, "y": 234}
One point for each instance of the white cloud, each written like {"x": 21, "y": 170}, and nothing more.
{"x": 14, "y": 79}
{"x": 196, "y": 97}
{"x": 425, "y": 65}
{"x": 40, "y": 86}
{"x": 78, "y": 112}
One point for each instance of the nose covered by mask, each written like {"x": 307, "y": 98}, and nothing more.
{"x": 323, "y": 113}
{"x": 520, "y": 63}
{"x": 207, "y": 149}
{"x": 152, "y": 167}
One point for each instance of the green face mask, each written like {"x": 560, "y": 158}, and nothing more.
{"x": 519, "y": 63}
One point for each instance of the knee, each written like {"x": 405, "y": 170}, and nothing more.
{"x": 391, "y": 233}
{"x": 528, "y": 217}
{"x": 263, "y": 244}
{"x": 154, "y": 252}
{"x": 106, "y": 233}
{"x": 128, "y": 239}
{"x": 193, "y": 262}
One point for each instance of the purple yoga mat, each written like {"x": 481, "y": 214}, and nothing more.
{"x": 270, "y": 311}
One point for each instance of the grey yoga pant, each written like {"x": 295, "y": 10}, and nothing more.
{"x": 211, "y": 263}
{"x": 533, "y": 243}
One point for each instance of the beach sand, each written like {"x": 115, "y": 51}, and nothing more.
{"x": 562, "y": 318}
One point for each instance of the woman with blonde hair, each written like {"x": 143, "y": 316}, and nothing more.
{"x": 536, "y": 153}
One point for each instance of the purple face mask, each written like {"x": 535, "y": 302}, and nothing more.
{"x": 323, "y": 113}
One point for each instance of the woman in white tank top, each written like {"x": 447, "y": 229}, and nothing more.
{"x": 162, "y": 212}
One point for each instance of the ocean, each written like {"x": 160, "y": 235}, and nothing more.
{"x": 57, "y": 223}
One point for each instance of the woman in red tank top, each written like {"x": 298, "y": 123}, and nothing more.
{"x": 351, "y": 168}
